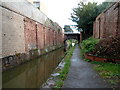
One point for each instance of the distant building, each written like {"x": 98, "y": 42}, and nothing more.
{"x": 40, "y": 5}
{"x": 36, "y": 3}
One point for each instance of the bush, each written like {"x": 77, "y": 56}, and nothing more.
{"x": 88, "y": 45}
{"x": 108, "y": 48}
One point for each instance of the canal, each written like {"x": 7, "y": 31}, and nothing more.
{"x": 33, "y": 73}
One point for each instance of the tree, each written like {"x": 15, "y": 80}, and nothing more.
{"x": 84, "y": 16}
{"x": 67, "y": 28}
{"x": 104, "y": 5}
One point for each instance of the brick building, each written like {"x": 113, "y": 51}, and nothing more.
{"x": 107, "y": 24}
{"x": 26, "y": 33}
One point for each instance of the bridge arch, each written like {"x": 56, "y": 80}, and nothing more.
{"x": 69, "y": 35}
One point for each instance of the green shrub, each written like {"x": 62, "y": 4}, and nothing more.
{"x": 70, "y": 42}
{"x": 59, "y": 84}
{"x": 88, "y": 45}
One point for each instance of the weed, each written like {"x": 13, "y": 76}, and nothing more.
{"x": 59, "y": 84}
{"x": 109, "y": 71}
{"x": 65, "y": 70}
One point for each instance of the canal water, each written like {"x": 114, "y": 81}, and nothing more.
{"x": 33, "y": 73}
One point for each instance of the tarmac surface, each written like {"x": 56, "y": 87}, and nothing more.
{"x": 82, "y": 74}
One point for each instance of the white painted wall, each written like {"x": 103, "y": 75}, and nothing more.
{"x": 13, "y": 40}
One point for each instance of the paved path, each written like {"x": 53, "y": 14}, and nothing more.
{"x": 82, "y": 75}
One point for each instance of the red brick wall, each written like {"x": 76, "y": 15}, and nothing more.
{"x": 96, "y": 28}
{"x": 118, "y": 30}
{"x": 51, "y": 37}
{"x": 106, "y": 24}
{"x": 56, "y": 38}
{"x": 40, "y": 36}
{"x": 99, "y": 29}
{"x": 111, "y": 17}
{"x": 45, "y": 32}
{"x": 30, "y": 34}
{"x": 102, "y": 26}
{"x": 47, "y": 37}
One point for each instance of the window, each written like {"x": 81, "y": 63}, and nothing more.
{"x": 36, "y": 4}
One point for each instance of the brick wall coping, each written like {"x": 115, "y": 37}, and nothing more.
{"x": 100, "y": 59}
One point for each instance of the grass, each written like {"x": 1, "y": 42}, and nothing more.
{"x": 109, "y": 71}
{"x": 65, "y": 70}
{"x": 59, "y": 84}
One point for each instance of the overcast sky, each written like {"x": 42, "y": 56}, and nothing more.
{"x": 59, "y": 10}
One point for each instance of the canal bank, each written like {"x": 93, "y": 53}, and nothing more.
{"x": 33, "y": 73}
{"x": 56, "y": 80}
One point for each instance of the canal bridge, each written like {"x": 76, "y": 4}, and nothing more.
{"x": 72, "y": 35}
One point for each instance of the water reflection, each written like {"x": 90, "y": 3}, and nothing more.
{"x": 33, "y": 73}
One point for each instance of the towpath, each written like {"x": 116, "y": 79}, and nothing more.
{"x": 82, "y": 74}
